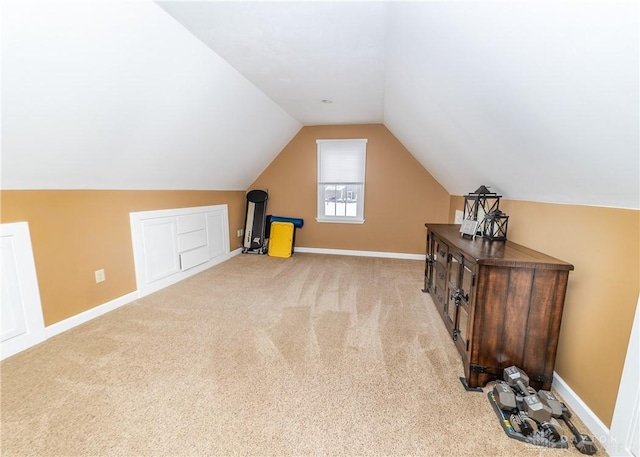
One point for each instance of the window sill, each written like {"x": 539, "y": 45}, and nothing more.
{"x": 340, "y": 220}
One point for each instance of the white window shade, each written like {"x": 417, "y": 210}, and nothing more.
{"x": 341, "y": 175}
{"x": 341, "y": 161}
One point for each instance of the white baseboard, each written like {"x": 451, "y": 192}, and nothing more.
{"x": 599, "y": 431}
{"x": 89, "y": 314}
{"x": 99, "y": 310}
{"x": 160, "y": 284}
{"x": 388, "y": 255}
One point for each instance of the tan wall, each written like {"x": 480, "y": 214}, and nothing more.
{"x": 400, "y": 195}
{"x": 604, "y": 246}
{"x": 76, "y": 232}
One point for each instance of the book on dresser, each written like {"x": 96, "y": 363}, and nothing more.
{"x": 500, "y": 301}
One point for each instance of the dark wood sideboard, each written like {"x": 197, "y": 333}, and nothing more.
{"x": 500, "y": 301}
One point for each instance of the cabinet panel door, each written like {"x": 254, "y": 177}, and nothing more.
{"x": 13, "y": 320}
{"x": 455, "y": 265}
{"x": 463, "y": 324}
{"x": 21, "y": 324}
{"x": 463, "y": 327}
{"x": 453, "y": 279}
{"x": 452, "y": 308}
{"x": 429, "y": 267}
{"x": 216, "y": 234}
{"x": 440, "y": 293}
{"x": 467, "y": 282}
{"x": 160, "y": 248}
{"x": 441, "y": 276}
{"x": 441, "y": 251}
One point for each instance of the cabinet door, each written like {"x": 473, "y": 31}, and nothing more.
{"x": 13, "y": 316}
{"x": 441, "y": 251}
{"x": 453, "y": 280}
{"x": 440, "y": 287}
{"x": 463, "y": 324}
{"x": 429, "y": 265}
{"x": 21, "y": 323}
{"x": 217, "y": 233}
{"x": 160, "y": 248}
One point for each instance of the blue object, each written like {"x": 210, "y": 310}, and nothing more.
{"x": 295, "y": 221}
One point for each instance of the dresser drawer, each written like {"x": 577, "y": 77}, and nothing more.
{"x": 194, "y": 257}
{"x": 440, "y": 275}
{"x": 439, "y": 295}
{"x": 192, "y": 240}
{"x": 191, "y": 222}
{"x": 441, "y": 251}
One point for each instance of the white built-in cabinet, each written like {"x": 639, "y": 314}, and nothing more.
{"x": 171, "y": 245}
{"x": 21, "y": 321}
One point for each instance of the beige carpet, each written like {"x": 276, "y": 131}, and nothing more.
{"x": 312, "y": 355}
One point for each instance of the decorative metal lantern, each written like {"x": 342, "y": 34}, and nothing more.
{"x": 478, "y": 204}
{"x": 495, "y": 226}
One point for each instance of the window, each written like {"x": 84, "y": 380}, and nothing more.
{"x": 341, "y": 166}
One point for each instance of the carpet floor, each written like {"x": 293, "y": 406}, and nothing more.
{"x": 259, "y": 356}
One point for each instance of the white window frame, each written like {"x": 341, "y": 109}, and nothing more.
{"x": 343, "y": 219}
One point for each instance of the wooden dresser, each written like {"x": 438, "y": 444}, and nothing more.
{"x": 500, "y": 301}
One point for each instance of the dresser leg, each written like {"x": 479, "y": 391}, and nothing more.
{"x": 465, "y": 384}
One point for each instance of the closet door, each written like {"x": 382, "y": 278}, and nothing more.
{"x": 22, "y": 324}
{"x": 13, "y": 321}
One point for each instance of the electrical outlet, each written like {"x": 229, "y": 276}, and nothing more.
{"x": 240, "y": 232}
{"x": 100, "y": 275}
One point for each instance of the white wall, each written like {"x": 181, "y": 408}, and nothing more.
{"x": 118, "y": 95}
{"x": 537, "y": 99}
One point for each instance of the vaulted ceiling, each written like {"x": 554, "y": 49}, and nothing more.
{"x": 537, "y": 99}
{"x": 300, "y": 53}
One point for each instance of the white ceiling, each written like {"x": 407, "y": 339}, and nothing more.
{"x": 300, "y": 53}
{"x": 118, "y": 95}
{"x": 538, "y": 99}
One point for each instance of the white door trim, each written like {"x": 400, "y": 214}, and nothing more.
{"x": 18, "y": 234}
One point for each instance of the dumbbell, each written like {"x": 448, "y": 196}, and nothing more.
{"x": 505, "y": 396}
{"x": 582, "y": 442}
{"x": 551, "y": 401}
{"x": 549, "y": 428}
{"x": 534, "y": 408}
{"x": 560, "y": 410}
